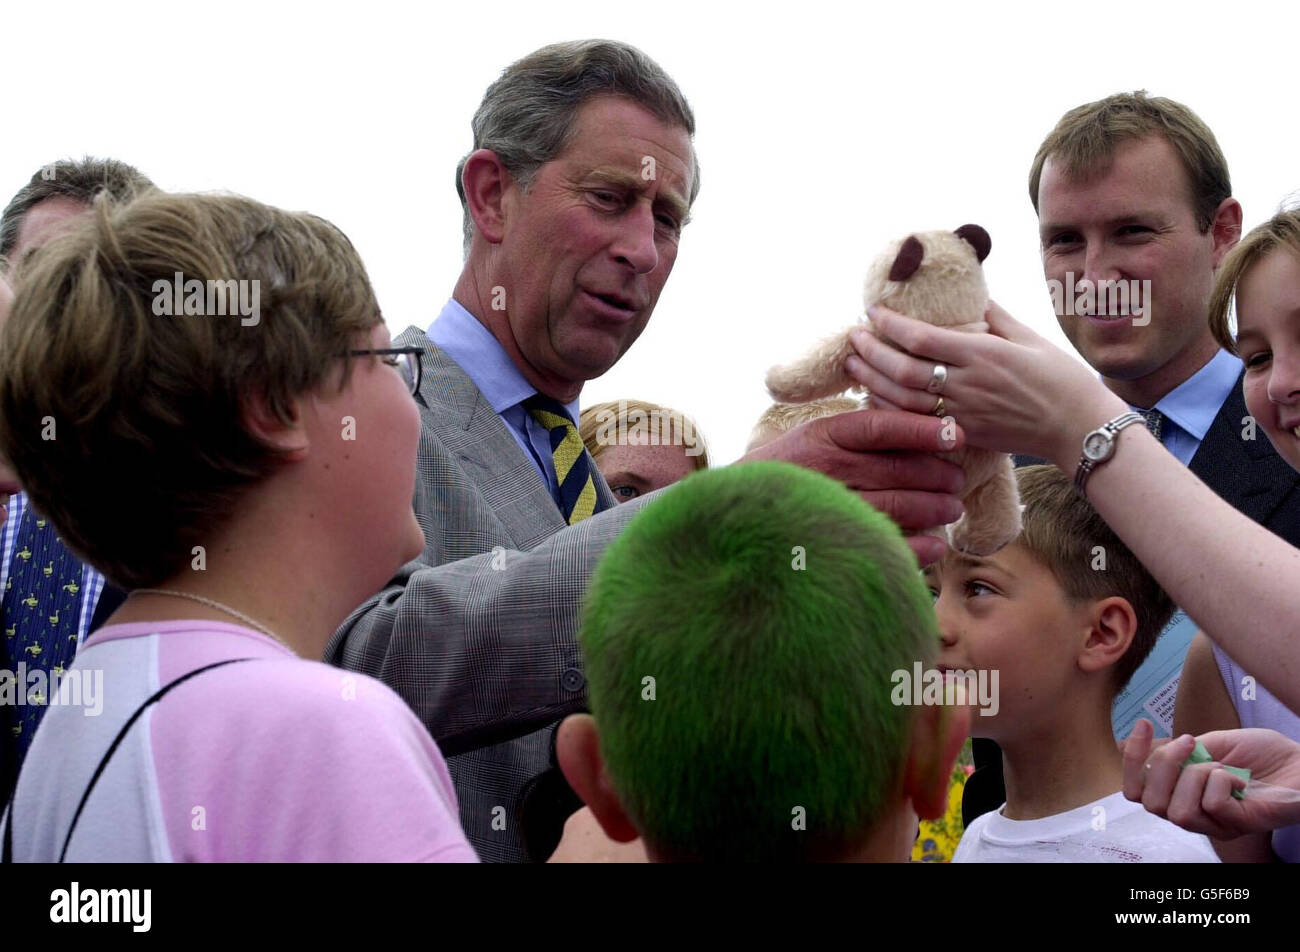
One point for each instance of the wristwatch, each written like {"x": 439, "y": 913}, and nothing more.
{"x": 1099, "y": 446}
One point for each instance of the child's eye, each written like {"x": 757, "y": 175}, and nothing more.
{"x": 1257, "y": 359}
{"x": 975, "y": 588}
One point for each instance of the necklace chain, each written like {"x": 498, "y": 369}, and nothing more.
{"x": 213, "y": 603}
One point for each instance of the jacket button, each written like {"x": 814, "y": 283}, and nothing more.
{"x": 572, "y": 680}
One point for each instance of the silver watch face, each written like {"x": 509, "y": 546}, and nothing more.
{"x": 1097, "y": 445}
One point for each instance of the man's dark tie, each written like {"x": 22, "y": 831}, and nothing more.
{"x": 40, "y": 617}
{"x": 572, "y": 465}
{"x": 1155, "y": 420}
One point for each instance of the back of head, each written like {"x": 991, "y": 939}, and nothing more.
{"x": 1085, "y": 139}
{"x": 765, "y": 608}
{"x": 1281, "y": 232}
{"x": 527, "y": 116}
{"x": 124, "y": 421}
{"x": 783, "y": 417}
{"x": 80, "y": 180}
{"x": 602, "y": 425}
{"x": 1065, "y": 533}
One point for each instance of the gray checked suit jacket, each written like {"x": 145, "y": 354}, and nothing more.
{"x": 478, "y": 634}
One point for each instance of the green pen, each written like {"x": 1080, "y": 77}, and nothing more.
{"x": 1200, "y": 755}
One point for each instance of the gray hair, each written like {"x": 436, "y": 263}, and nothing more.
{"x": 77, "y": 179}
{"x": 527, "y": 116}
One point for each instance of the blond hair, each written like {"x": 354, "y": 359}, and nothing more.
{"x": 782, "y": 417}
{"x": 1280, "y": 231}
{"x": 151, "y": 454}
{"x": 666, "y": 427}
{"x": 1085, "y": 139}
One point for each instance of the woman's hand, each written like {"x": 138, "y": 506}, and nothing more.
{"x": 1011, "y": 390}
{"x": 1199, "y": 797}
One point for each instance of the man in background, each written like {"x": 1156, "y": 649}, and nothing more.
{"x": 1135, "y": 189}
{"x": 49, "y": 600}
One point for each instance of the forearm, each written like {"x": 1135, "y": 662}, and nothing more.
{"x": 484, "y": 649}
{"x": 1237, "y": 580}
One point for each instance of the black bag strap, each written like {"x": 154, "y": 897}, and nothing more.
{"x": 157, "y": 696}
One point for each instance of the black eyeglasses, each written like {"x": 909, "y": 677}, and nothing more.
{"x": 405, "y": 359}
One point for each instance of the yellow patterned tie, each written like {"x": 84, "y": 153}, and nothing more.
{"x": 572, "y": 465}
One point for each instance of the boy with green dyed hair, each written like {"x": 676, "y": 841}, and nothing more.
{"x": 740, "y": 639}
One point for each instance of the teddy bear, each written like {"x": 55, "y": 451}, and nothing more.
{"x": 936, "y": 277}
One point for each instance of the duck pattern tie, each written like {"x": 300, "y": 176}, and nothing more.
{"x": 40, "y": 616}
{"x": 572, "y": 465}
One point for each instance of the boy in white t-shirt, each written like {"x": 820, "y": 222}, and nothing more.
{"x": 1063, "y": 616}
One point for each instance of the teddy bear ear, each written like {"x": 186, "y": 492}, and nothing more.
{"x": 977, "y": 238}
{"x": 907, "y": 260}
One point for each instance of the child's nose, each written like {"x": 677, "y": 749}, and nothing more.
{"x": 947, "y": 624}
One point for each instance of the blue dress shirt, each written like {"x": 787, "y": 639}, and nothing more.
{"x": 1194, "y": 403}
{"x": 472, "y": 346}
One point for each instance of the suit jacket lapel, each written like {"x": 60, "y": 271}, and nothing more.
{"x": 1248, "y": 473}
{"x": 466, "y": 424}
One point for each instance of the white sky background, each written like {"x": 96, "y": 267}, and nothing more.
{"x": 824, "y": 132}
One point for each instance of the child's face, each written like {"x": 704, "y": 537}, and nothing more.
{"x": 1268, "y": 339}
{"x": 1007, "y": 613}
{"x": 365, "y": 439}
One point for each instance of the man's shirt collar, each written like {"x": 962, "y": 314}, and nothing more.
{"x": 471, "y": 345}
{"x": 1195, "y": 402}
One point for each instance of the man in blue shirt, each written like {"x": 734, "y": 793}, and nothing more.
{"x": 575, "y": 195}
{"x": 49, "y": 600}
{"x": 1135, "y": 189}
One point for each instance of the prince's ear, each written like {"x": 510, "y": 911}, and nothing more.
{"x": 577, "y": 748}
{"x": 483, "y": 182}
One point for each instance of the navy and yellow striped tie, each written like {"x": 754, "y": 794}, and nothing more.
{"x": 572, "y": 465}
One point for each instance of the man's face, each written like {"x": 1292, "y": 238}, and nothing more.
{"x": 1007, "y": 613}
{"x": 1134, "y": 222}
{"x": 8, "y": 482}
{"x": 588, "y": 248}
{"x": 45, "y": 220}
